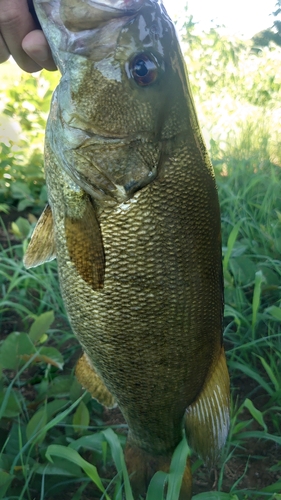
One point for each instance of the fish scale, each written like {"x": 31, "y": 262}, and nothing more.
{"x": 134, "y": 222}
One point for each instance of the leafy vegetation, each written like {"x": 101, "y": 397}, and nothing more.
{"x": 54, "y": 439}
{"x": 273, "y": 33}
{"x": 23, "y": 112}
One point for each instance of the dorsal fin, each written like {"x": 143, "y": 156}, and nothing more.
{"x": 85, "y": 246}
{"x": 42, "y": 244}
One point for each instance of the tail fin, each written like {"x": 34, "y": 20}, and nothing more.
{"x": 142, "y": 466}
{"x": 207, "y": 419}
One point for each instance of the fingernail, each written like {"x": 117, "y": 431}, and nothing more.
{"x": 40, "y": 53}
{"x": 43, "y": 53}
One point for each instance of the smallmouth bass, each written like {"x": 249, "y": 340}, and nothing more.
{"x": 134, "y": 222}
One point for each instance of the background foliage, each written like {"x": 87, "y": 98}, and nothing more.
{"x": 52, "y": 434}
{"x": 24, "y": 107}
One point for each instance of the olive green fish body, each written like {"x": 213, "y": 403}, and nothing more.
{"x": 135, "y": 229}
{"x": 148, "y": 331}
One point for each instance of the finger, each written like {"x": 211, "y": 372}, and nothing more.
{"x": 15, "y": 22}
{"x": 4, "y": 52}
{"x": 37, "y": 48}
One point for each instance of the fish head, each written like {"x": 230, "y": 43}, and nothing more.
{"x": 121, "y": 96}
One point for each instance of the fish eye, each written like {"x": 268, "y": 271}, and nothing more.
{"x": 144, "y": 69}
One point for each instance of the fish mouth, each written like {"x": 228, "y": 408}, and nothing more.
{"x": 122, "y": 6}
{"x": 80, "y": 15}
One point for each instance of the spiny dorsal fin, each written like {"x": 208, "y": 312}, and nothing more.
{"x": 207, "y": 419}
{"x": 85, "y": 246}
{"x": 42, "y": 244}
{"x": 89, "y": 379}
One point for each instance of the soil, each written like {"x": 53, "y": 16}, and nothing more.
{"x": 250, "y": 466}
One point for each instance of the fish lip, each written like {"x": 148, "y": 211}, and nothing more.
{"x": 110, "y": 8}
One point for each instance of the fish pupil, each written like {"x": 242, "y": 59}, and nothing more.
{"x": 144, "y": 69}
{"x": 141, "y": 68}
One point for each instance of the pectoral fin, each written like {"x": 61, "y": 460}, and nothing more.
{"x": 207, "y": 419}
{"x": 42, "y": 244}
{"x": 85, "y": 247}
{"x": 89, "y": 379}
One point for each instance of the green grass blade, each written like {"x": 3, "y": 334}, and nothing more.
{"x": 5, "y": 481}
{"x": 259, "y": 435}
{"x": 58, "y": 418}
{"x": 253, "y": 374}
{"x": 74, "y": 457}
{"x": 256, "y": 414}
{"x": 178, "y": 465}
{"x": 156, "y": 486}
{"x": 270, "y": 374}
{"x": 215, "y": 495}
{"x": 9, "y": 388}
{"x": 119, "y": 460}
{"x": 230, "y": 243}
{"x": 259, "y": 278}
{"x": 273, "y": 488}
{"x": 274, "y": 311}
{"x": 93, "y": 442}
{"x": 79, "y": 492}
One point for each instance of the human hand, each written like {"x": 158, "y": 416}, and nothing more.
{"x": 21, "y": 37}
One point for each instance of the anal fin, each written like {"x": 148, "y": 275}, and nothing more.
{"x": 85, "y": 246}
{"x": 42, "y": 244}
{"x": 207, "y": 419}
{"x": 91, "y": 381}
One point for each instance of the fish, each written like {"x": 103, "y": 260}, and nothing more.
{"x": 133, "y": 219}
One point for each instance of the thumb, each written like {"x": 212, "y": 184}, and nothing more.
{"x": 36, "y": 47}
